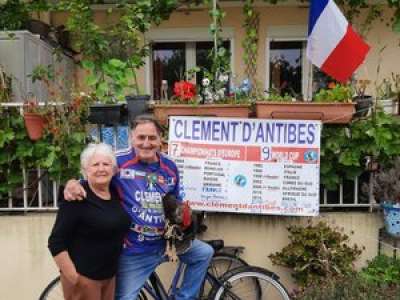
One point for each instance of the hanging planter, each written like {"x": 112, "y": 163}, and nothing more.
{"x": 136, "y": 105}
{"x": 105, "y": 114}
{"x": 34, "y": 124}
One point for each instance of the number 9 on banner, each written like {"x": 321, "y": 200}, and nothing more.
{"x": 265, "y": 153}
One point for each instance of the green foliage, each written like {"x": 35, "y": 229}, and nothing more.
{"x": 338, "y": 93}
{"x": 316, "y": 252}
{"x": 14, "y": 15}
{"x": 343, "y": 149}
{"x": 58, "y": 151}
{"x": 386, "y": 183}
{"x": 118, "y": 49}
{"x": 349, "y": 287}
{"x": 275, "y": 96}
{"x": 109, "y": 80}
{"x": 250, "y": 43}
{"x": 382, "y": 270}
{"x": 220, "y": 56}
{"x": 11, "y": 125}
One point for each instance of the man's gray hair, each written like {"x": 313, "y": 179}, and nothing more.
{"x": 146, "y": 118}
{"x": 92, "y": 149}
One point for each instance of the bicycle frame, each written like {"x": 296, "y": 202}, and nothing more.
{"x": 156, "y": 289}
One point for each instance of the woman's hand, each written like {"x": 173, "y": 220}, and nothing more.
{"x": 74, "y": 190}
{"x": 67, "y": 267}
{"x": 72, "y": 277}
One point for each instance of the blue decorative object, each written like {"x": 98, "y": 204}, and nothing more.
{"x": 123, "y": 137}
{"x": 245, "y": 86}
{"x": 392, "y": 219}
{"x": 108, "y": 136}
{"x": 117, "y": 137}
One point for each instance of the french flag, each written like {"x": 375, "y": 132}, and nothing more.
{"x": 333, "y": 45}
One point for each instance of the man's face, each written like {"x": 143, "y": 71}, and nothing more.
{"x": 146, "y": 141}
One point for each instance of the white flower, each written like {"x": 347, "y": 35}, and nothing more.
{"x": 223, "y": 78}
{"x": 205, "y": 82}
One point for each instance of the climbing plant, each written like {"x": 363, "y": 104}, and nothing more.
{"x": 250, "y": 41}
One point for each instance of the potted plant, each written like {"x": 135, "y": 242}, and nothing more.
{"x": 108, "y": 83}
{"x": 386, "y": 190}
{"x": 386, "y": 96}
{"x": 332, "y": 105}
{"x": 363, "y": 102}
{"x": 118, "y": 47}
{"x": 34, "y": 119}
{"x": 187, "y": 101}
{"x": 212, "y": 97}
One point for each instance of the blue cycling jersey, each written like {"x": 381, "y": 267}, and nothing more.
{"x": 141, "y": 187}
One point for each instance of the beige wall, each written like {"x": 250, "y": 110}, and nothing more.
{"x": 378, "y": 37}
{"x": 26, "y": 265}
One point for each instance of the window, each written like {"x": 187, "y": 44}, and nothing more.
{"x": 170, "y": 61}
{"x": 285, "y": 67}
{"x": 288, "y": 69}
{"x": 168, "y": 64}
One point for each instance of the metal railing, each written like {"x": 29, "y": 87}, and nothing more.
{"x": 39, "y": 193}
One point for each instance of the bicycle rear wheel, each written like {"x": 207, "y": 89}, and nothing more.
{"x": 53, "y": 290}
{"x": 250, "y": 283}
{"x": 220, "y": 264}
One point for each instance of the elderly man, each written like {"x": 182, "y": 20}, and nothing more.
{"x": 145, "y": 176}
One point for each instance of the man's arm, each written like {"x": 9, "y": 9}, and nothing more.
{"x": 74, "y": 190}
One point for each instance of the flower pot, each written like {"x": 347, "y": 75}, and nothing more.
{"x": 363, "y": 105}
{"x": 338, "y": 113}
{"x": 163, "y": 111}
{"x": 34, "y": 124}
{"x": 105, "y": 114}
{"x": 389, "y": 106}
{"x": 136, "y": 105}
{"x": 391, "y": 215}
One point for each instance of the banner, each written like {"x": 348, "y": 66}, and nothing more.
{"x": 248, "y": 165}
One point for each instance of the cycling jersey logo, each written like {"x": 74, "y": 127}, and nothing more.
{"x": 127, "y": 173}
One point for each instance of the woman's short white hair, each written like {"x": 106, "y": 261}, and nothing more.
{"x": 92, "y": 149}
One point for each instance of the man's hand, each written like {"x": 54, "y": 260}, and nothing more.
{"x": 74, "y": 191}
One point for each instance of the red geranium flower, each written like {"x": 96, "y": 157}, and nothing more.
{"x": 184, "y": 90}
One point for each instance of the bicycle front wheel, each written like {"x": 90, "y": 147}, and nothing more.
{"x": 249, "y": 283}
{"x": 53, "y": 291}
{"x": 220, "y": 264}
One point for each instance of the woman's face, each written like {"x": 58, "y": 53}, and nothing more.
{"x": 99, "y": 169}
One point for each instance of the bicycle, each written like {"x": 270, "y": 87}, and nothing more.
{"x": 224, "y": 260}
{"x": 241, "y": 283}
{"x": 237, "y": 281}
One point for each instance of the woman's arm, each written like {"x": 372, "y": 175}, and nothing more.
{"x": 66, "y": 266}
{"x": 62, "y": 232}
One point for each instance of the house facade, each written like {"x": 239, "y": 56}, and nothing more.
{"x": 183, "y": 41}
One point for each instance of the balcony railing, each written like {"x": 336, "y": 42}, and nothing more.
{"x": 39, "y": 193}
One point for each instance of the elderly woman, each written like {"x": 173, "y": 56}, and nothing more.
{"x": 87, "y": 237}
